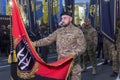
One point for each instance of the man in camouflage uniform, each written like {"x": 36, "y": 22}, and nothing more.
{"x": 69, "y": 39}
{"x": 116, "y": 51}
{"x": 91, "y": 39}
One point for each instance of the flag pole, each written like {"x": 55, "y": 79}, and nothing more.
{"x": 50, "y": 14}
{"x": 12, "y": 58}
{"x": 31, "y": 21}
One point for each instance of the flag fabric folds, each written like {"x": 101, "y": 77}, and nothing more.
{"x": 87, "y": 9}
{"x": 60, "y": 8}
{"x": 29, "y": 63}
{"x": 108, "y": 18}
{"x": 45, "y": 11}
{"x": 102, "y": 13}
{"x": 38, "y": 9}
{"x": 93, "y": 11}
{"x": 55, "y": 12}
{"x": 3, "y": 7}
{"x": 58, "y": 70}
{"x": 69, "y": 5}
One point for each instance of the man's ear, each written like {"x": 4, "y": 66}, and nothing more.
{"x": 71, "y": 18}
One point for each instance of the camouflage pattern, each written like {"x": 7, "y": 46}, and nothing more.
{"x": 107, "y": 49}
{"x": 115, "y": 59}
{"x": 118, "y": 41}
{"x": 69, "y": 40}
{"x": 91, "y": 39}
{"x": 116, "y": 53}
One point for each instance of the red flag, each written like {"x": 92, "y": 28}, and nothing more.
{"x": 28, "y": 60}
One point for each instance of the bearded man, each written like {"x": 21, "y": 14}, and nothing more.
{"x": 69, "y": 40}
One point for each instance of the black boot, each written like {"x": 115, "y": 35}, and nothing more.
{"x": 114, "y": 74}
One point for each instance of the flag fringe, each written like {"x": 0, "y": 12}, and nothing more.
{"x": 14, "y": 59}
{"x": 14, "y": 56}
{"x": 9, "y": 58}
{"x": 28, "y": 75}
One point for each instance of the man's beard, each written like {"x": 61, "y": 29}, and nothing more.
{"x": 65, "y": 25}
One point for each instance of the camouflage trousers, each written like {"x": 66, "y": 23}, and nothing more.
{"x": 76, "y": 72}
{"x": 91, "y": 55}
{"x": 116, "y": 61}
{"x": 107, "y": 50}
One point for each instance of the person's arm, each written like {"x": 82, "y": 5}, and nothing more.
{"x": 94, "y": 39}
{"x": 81, "y": 47}
{"x": 46, "y": 41}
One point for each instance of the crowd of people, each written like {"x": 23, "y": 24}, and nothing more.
{"x": 86, "y": 42}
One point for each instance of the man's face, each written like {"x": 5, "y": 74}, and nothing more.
{"x": 66, "y": 20}
{"x": 87, "y": 22}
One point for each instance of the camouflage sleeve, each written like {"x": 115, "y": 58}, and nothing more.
{"x": 46, "y": 41}
{"x": 95, "y": 38}
{"x": 81, "y": 47}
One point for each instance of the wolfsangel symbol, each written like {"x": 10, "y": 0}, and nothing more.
{"x": 24, "y": 60}
{"x": 24, "y": 56}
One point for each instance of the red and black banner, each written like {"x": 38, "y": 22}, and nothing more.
{"x": 29, "y": 65}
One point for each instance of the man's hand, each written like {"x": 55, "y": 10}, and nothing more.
{"x": 34, "y": 44}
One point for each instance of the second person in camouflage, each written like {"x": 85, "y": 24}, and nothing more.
{"x": 91, "y": 39}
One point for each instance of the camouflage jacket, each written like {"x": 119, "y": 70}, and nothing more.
{"x": 68, "y": 39}
{"x": 91, "y": 37}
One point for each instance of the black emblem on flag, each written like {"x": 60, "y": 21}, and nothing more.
{"x": 24, "y": 55}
